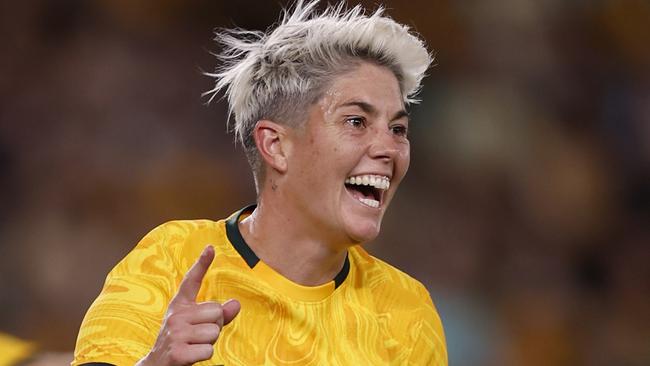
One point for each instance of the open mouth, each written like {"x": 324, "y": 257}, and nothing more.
{"x": 368, "y": 189}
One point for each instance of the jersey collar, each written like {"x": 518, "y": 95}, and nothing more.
{"x": 307, "y": 293}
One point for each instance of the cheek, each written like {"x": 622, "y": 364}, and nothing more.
{"x": 403, "y": 160}
{"x": 319, "y": 160}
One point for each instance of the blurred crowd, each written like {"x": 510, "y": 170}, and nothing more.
{"x": 526, "y": 210}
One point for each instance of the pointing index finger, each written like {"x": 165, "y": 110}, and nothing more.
{"x": 191, "y": 283}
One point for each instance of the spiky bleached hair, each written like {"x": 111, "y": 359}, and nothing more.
{"x": 278, "y": 74}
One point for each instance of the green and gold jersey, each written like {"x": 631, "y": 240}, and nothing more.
{"x": 369, "y": 314}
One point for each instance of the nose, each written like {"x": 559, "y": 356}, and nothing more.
{"x": 383, "y": 146}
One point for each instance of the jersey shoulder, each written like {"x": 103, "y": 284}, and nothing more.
{"x": 122, "y": 323}
{"x": 393, "y": 291}
{"x": 407, "y": 302}
{"x": 177, "y": 243}
{"x": 181, "y": 234}
{"x": 382, "y": 277}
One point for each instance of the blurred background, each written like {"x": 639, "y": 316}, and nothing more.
{"x": 526, "y": 211}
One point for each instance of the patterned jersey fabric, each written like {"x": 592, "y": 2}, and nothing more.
{"x": 369, "y": 314}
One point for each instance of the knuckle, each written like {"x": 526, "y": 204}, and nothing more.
{"x": 214, "y": 328}
{"x": 177, "y": 355}
{"x": 174, "y": 333}
{"x": 212, "y": 306}
{"x": 211, "y": 309}
{"x": 214, "y": 332}
{"x": 208, "y": 332}
{"x": 172, "y": 323}
{"x": 206, "y": 351}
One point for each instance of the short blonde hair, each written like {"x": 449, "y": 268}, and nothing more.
{"x": 277, "y": 74}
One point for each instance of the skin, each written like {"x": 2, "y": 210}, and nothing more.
{"x": 357, "y": 127}
{"x": 190, "y": 329}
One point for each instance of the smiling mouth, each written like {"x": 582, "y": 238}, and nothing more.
{"x": 368, "y": 189}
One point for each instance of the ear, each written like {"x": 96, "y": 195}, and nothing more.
{"x": 270, "y": 141}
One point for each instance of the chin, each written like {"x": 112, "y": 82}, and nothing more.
{"x": 363, "y": 232}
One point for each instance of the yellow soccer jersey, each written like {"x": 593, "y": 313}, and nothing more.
{"x": 369, "y": 314}
{"x": 14, "y": 350}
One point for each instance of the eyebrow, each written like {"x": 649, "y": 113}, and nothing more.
{"x": 370, "y": 109}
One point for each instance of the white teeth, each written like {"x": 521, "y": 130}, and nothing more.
{"x": 369, "y": 202}
{"x": 377, "y": 181}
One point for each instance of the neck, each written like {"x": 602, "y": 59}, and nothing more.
{"x": 278, "y": 237}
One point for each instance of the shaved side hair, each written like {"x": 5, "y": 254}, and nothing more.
{"x": 278, "y": 74}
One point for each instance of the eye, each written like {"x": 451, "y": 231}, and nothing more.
{"x": 399, "y": 130}
{"x": 356, "y": 121}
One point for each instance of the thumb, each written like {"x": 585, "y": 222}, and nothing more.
{"x": 230, "y": 310}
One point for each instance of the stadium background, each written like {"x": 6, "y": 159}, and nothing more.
{"x": 526, "y": 211}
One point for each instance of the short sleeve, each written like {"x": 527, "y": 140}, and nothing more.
{"x": 122, "y": 324}
{"x": 429, "y": 345}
